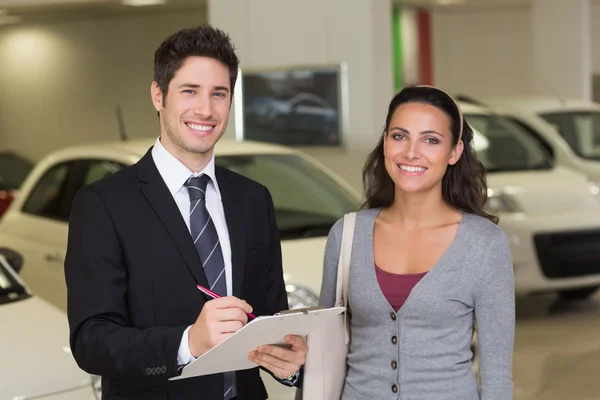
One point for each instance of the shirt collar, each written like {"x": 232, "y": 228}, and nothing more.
{"x": 175, "y": 173}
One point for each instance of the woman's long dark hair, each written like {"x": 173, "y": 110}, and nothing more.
{"x": 464, "y": 184}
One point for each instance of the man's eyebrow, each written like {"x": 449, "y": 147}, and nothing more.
{"x": 197, "y": 86}
{"x": 190, "y": 85}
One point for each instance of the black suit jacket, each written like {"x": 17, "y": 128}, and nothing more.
{"x": 131, "y": 270}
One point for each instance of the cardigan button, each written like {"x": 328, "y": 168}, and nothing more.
{"x": 393, "y": 315}
{"x": 394, "y": 365}
{"x": 394, "y": 340}
{"x": 395, "y": 388}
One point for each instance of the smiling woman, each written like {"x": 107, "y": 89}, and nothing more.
{"x": 426, "y": 261}
{"x": 426, "y": 137}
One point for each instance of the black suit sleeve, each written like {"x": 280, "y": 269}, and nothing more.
{"x": 102, "y": 341}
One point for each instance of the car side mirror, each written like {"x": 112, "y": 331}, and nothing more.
{"x": 14, "y": 259}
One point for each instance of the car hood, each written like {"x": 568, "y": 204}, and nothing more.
{"x": 303, "y": 262}
{"x": 34, "y": 349}
{"x": 546, "y": 191}
{"x": 592, "y": 169}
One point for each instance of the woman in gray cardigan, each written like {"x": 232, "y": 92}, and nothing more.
{"x": 427, "y": 260}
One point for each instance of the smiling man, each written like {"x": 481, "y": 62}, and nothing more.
{"x": 141, "y": 241}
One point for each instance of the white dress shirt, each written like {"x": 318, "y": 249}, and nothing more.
{"x": 175, "y": 174}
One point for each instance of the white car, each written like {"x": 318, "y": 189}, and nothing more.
{"x": 549, "y": 212}
{"x": 568, "y": 128}
{"x": 308, "y": 200}
{"x": 36, "y": 360}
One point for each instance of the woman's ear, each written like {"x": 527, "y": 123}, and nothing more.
{"x": 456, "y": 152}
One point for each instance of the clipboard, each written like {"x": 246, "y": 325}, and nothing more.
{"x": 232, "y": 353}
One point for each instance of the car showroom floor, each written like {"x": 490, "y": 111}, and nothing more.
{"x": 557, "y": 349}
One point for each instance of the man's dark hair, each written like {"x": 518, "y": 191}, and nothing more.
{"x": 200, "y": 41}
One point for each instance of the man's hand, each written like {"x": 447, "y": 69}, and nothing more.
{"x": 282, "y": 362}
{"x": 219, "y": 319}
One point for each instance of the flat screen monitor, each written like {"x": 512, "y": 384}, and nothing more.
{"x": 294, "y": 106}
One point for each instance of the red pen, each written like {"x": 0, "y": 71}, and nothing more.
{"x": 212, "y": 294}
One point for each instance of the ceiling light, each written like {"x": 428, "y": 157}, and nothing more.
{"x": 138, "y": 3}
{"x": 451, "y": 2}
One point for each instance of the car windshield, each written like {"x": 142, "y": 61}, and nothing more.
{"x": 307, "y": 200}
{"x": 581, "y": 130}
{"x": 13, "y": 171}
{"x": 503, "y": 146}
{"x": 11, "y": 288}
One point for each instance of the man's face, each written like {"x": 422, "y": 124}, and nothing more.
{"x": 195, "y": 113}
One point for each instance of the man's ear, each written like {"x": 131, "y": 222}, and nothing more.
{"x": 456, "y": 152}
{"x": 157, "y": 96}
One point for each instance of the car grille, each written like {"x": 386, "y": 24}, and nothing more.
{"x": 569, "y": 254}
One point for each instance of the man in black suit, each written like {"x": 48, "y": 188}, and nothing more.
{"x": 142, "y": 240}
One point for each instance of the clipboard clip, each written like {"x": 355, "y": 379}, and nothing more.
{"x": 300, "y": 310}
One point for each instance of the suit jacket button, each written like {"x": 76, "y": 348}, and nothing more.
{"x": 395, "y": 388}
{"x": 394, "y": 365}
{"x": 148, "y": 371}
{"x": 163, "y": 369}
{"x": 394, "y": 340}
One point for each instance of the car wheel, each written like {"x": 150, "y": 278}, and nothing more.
{"x": 578, "y": 294}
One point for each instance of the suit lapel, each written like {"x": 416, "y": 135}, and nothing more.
{"x": 158, "y": 195}
{"x": 235, "y": 225}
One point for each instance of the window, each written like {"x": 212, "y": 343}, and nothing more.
{"x": 307, "y": 201}
{"x": 503, "y": 146}
{"x": 581, "y": 130}
{"x": 47, "y": 197}
{"x": 99, "y": 170}
{"x": 534, "y": 134}
{"x": 13, "y": 170}
{"x": 10, "y": 288}
{"x": 53, "y": 195}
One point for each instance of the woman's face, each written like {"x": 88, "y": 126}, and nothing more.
{"x": 418, "y": 147}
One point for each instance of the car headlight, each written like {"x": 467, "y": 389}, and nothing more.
{"x": 594, "y": 188}
{"x": 97, "y": 386}
{"x": 301, "y": 297}
{"x": 498, "y": 202}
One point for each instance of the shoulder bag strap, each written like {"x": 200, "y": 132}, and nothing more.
{"x": 341, "y": 292}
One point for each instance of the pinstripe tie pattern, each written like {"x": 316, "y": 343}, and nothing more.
{"x": 209, "y": 248}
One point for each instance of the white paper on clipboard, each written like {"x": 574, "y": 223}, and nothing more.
{"x": 232, "y": 353}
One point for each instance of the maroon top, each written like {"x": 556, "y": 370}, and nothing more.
{"x": 397, "y": 287}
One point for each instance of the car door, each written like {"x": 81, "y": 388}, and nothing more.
{"x": 36, "y": 231}
{"x": 44, "y": 224}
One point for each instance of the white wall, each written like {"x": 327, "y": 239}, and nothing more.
{"x": 595, "y": 29}
{"x": 562, "y": 48}
{"x": 272, "y": 33}
{"x": 61, "y": 81}
{"x": 489, "y": 51}
{"x": 483, "y": 51}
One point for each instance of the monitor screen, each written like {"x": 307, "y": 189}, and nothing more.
{"x": 300, "y": 106}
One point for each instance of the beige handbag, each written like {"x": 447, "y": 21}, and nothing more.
{"x": 326, "y": 361}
